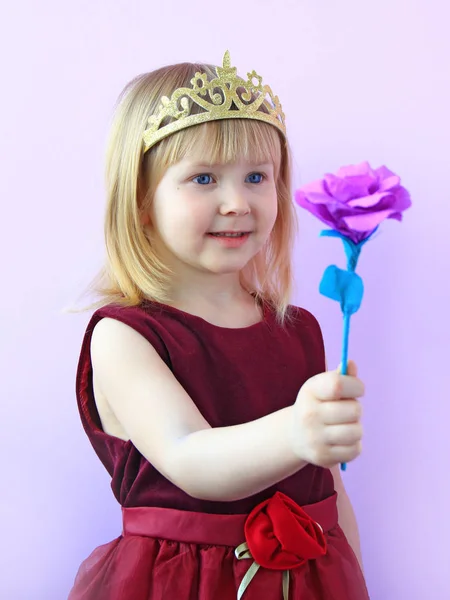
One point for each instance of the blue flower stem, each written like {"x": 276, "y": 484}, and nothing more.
{"x": 344, "y": 359}
{"x": 352, "y": 251}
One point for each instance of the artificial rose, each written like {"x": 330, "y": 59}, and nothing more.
{"x": 355, "y": 200}
{"x": 281, "y": 535}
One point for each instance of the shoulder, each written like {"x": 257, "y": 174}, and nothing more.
{"x": 116, "y": 345}
{"x": 305, "y": 326}
{"x": 144, "y": 316}
{"x": 120, "y": 325}
{"x": 302, "y": 319}
{"x": 135, "y": 316}
{"x": 124, "y": 351}
{"x": 109, "y": 332}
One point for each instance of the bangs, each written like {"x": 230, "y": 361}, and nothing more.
{"x": 221, "y": 142}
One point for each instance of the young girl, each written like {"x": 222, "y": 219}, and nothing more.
{"x": 201, "y": 389}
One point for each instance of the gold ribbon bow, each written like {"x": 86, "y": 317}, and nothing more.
{"x": 242, "y": 552}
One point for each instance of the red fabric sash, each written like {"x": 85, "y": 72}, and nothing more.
{"x": 280, "y": 534}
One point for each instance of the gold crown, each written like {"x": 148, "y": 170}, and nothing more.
{"x": 228, "y": 96}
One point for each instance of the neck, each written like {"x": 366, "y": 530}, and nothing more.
{"x": 217, "y": 290}
{"x": 219, "y": 299}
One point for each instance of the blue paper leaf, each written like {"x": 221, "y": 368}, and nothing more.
{"x": 345, "y": 287}
{"x": 330, "y": 233}
{"x": 352, "y": 250}
{"x": 338, "y": 234}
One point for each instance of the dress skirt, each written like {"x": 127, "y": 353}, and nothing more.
{"x": 280, "y": 551}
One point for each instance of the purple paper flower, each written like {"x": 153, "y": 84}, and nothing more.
{"x": 355, "y": 200}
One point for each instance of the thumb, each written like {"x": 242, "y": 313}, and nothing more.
{"x": 352, "y": 369}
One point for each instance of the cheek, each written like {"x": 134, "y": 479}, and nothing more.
{"x": 178, "y": 219}
{"x": 271, "y": 211}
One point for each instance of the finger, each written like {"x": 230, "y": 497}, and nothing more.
{"x": 344, "y": 454}
{"x": 340, "y": 413}
{"x": 343, "y": 435}
{"x": 332, "y": 386}
{"x": 352, "y": 369}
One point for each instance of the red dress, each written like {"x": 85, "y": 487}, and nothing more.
{"x": 175, "y": 547}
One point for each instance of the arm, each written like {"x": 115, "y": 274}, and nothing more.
{"x": 347, "y": 518}
{"x": 162, "y": 421}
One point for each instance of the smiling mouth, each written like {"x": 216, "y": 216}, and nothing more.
{"x": 230, "y": 234}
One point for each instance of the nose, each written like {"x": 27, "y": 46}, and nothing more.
{"x": 234, "y": 202}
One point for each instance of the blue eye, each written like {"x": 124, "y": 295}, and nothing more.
{"x": 255, "y": 178}
{"x": 203, "y": 179}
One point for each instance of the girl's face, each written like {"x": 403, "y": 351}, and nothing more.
{"x": 213, "y": 218}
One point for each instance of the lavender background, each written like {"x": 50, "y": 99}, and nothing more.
{"x": 358, "y": 80}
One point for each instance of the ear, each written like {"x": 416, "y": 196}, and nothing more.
{"x": 142, "y": 201}
{"x": 144, "y": 207}
{"x": 145, "y": 218}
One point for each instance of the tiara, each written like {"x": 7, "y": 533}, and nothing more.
{"x": 227, "y": 96}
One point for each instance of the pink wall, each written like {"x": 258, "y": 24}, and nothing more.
{"x": 358, "y": 81}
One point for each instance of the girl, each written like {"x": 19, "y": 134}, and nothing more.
{"x": 201, "y": 389}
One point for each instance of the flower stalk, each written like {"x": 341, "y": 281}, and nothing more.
{"x": 353, "y": 202}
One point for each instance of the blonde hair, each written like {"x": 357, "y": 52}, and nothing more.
{"x": 133, "y": 271}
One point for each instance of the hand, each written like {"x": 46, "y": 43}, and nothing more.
{"x": 327, "y": 418}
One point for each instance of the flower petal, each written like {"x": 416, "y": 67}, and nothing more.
{"x": 367, "y": 201}
{"x": 397, "y": 216}
{"x": 367, "y": 222}
{"x": 389, "y": 183}
{"x": 402, "y": 199}
{"x": 314, "y": 192}
{"x": 348, "y": 188}
{"x": 362, "y": 168}
{"x": 321, "y": 211}
{"x": 384, "y": 173}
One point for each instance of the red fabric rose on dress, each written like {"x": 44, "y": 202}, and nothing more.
{"x": 281, "y": 535}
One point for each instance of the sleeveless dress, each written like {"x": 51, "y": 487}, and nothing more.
{"x": 283, "y": 543}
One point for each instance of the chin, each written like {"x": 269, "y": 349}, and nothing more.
{"x": 226, "y": 268}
